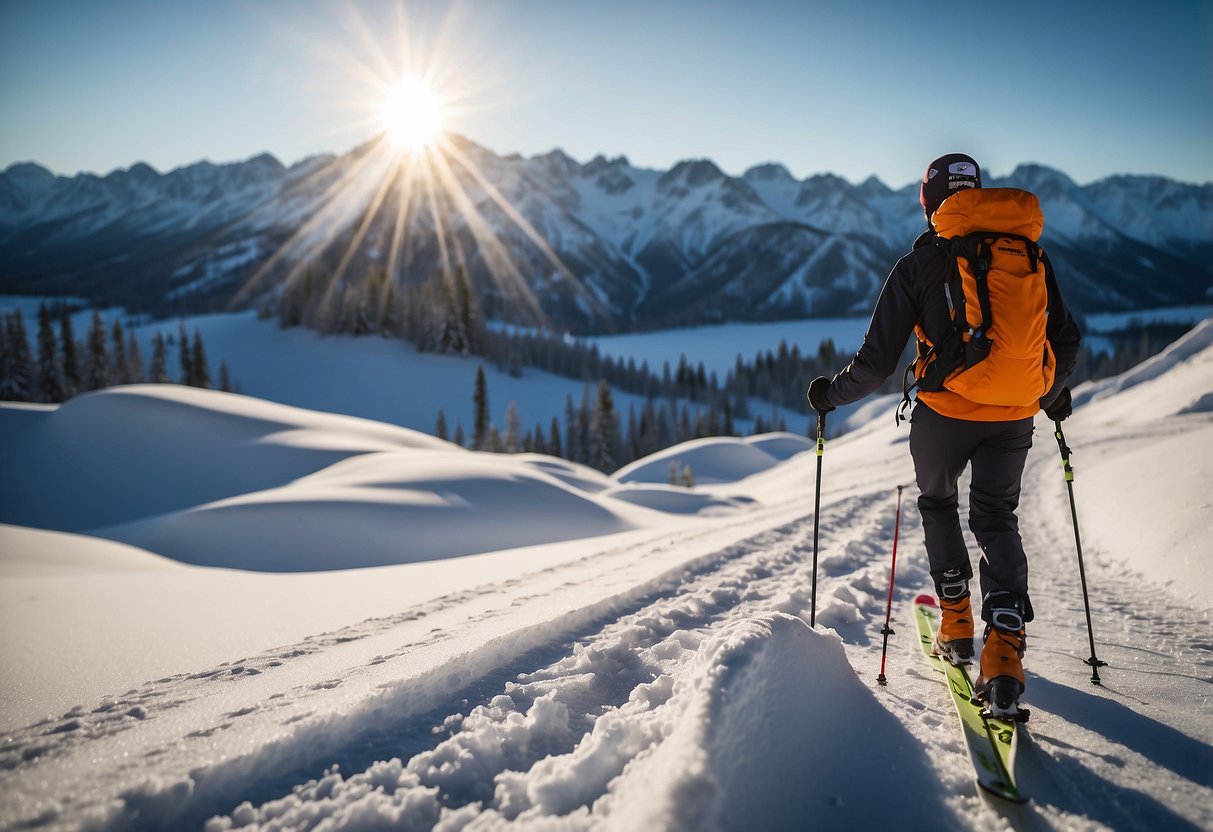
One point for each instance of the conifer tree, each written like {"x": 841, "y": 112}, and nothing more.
{"x": 71, "y": 362}
{"x": 158, "y": 372}
{"x": 17, "y": 378}
{"x": 51, "y": 387}
{"x": 605, "y": 431}
{"x": 633, "y": 437}
{"x": 440, "y": 424}
{"x": 554, "y": 447}
{"x": 513, "y": 429}
{"x": 585, "y": 421}
{"x": 480, "y": 405}
{"x": 118, "y": 368}
{"x": 459, "y": 438}
{"x": 225, "y": 377}
{"x": 202, "y": 373}
{"x": 134, "y": 359}
{"x": 183, "y": 352}
{"x": 571, "y": 451}
{"x": 96, "y": 373}
{"x": 5, "y": 358}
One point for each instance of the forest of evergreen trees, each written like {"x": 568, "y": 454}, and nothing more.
{"x": 442, "y": 315}
{"x": 60, "y": 366}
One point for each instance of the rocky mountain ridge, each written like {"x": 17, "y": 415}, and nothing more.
{"x": 600, "y": 245}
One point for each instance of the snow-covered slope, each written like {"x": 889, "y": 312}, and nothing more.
{"x": 663, "y": 677}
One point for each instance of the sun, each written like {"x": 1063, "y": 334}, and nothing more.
{"x": 412, "y": 115}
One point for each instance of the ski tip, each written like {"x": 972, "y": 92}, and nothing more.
{"x": 925, "y": 600}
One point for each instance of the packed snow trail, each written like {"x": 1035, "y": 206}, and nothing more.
{"x": 647, "y": 760}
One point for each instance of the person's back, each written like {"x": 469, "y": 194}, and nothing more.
{"x": 995, "y": 344}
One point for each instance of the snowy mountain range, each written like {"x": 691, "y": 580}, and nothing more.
{"x": 653, "y": 248}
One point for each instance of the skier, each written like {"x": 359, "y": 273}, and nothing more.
{"x": 950, "y": 431}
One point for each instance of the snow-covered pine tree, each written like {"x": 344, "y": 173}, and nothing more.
{"x": 51, "y": 387}
{"x": 96, "y": 372}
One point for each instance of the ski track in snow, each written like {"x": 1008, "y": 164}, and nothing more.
{"x": 567, "y": 712}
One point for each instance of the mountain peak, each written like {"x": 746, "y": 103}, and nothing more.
{"x": 768, "y": 172}
{"x": 692, "y": 173}
{"x": 1036, "y": 178}
{"x": 873, "y": 187}
{"x": 556, "y": 163}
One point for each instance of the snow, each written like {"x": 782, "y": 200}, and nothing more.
{"x": 598, "y": 652}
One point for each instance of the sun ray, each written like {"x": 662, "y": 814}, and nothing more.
{"x": 412, "y": 188}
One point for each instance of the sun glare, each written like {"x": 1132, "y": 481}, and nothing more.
{"x": 413, "y": 200}
{"x": 412, "y": 115}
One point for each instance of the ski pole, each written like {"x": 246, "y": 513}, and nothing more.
{"x": 1094, "y": 662}
{"x": 821, "y": 445}
{"x": 888, "y": 610}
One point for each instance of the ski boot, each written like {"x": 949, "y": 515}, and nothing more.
{"x": 1001, "y": 681}
{"x": 954, "y": 639}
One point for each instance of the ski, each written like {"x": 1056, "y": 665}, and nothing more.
{"x": 991, "y": 741}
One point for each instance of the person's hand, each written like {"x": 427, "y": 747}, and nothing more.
{"x": 817, "y": 395}
{"x": 1061, "y": 407}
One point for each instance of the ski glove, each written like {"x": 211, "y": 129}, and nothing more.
{"x": 1061, "y": 407}
{"x": 817, "y": 395}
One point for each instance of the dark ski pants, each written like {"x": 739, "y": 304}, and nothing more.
{"x": 942, "y": 447}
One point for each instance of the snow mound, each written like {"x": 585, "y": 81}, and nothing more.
{"x": 713, "y": 460}
{"x": 769, "y": 697}
{"x": 28, "y": 553}
{"x": 676, "y": 500}
{"x": 130, "y": 452}
{"x": 379, "y": 509}
{"x": 781, "y": 445}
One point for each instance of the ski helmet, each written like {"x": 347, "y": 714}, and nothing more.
{"x": 944, "y": 176}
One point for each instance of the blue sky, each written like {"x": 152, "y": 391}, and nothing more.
{"x": 878, "y": 87}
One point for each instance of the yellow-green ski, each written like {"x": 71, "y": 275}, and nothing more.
{"x": 991, "y": 742}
